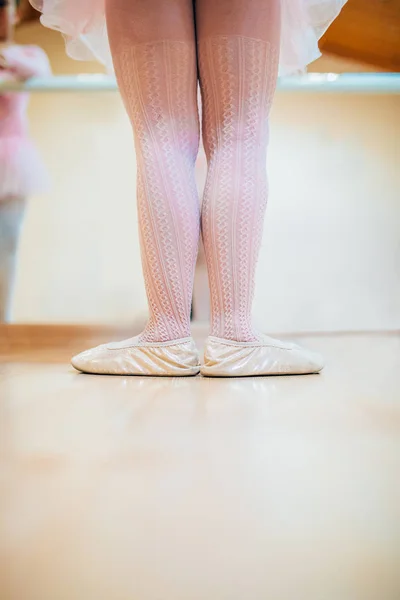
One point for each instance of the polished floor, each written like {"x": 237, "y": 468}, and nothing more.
{"x": 129, "y": 488}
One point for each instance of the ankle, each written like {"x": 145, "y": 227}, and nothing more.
{"x": 152, "y": 334}
{"x": 239, "y": 335}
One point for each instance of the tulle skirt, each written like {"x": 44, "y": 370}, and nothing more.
{"x": 22, "y": 171}
{"x": 83, "y": 24}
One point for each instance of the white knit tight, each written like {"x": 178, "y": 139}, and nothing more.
{"x": 237, "y": 76}
{"x": 154, "y": 51}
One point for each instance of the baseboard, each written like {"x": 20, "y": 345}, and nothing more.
{"x": 69, "y": 338}
{"x": 19, "y": 337}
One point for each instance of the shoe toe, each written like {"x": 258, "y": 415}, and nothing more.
{"x": 317, "y": 361}
{"x": 310, "y": 362}
{"x": 89, "y": 361}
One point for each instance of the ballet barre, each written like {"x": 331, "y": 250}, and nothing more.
{"x": 368, "y": 83}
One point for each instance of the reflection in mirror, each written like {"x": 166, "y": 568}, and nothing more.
{"x": 22, "y": 171}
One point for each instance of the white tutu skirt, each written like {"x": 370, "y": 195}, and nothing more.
{"x": 83, "y": 25}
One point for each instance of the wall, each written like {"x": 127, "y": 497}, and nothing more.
{"x": 330, "y": 256}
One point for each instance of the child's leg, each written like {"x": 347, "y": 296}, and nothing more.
{"x": 154, "y": 53}
{"x": 238, "y": 44}
{"x": 11, "y": 217}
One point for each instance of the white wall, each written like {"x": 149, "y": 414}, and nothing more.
{"x": 330, "y": 258}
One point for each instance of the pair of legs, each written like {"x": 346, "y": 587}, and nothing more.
{"x": 160, "y": 49}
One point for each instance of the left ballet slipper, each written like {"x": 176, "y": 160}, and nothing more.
{"x": 176, "y": 358}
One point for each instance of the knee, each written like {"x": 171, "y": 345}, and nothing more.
{"x": 246, "y": 134}
{"x": 168, "y": 138}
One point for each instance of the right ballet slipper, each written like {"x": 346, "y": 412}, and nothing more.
{"x": 266, "y": 356}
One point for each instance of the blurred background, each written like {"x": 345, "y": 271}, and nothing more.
{"x": 331, "y": 250}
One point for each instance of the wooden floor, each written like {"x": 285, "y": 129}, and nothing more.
{"x": 129, "y": 488}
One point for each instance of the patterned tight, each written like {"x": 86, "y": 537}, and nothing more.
{"x": 155, "y": 52}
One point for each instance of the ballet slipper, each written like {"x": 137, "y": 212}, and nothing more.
{"x": 177, "y": 358}
{"x": 266, "y": 356}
